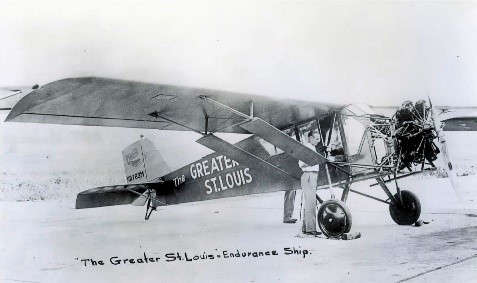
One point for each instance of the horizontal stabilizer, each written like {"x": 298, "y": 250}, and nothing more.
{"x": 141, "y": 200}
{"x": 110, "y": 195}
{"x": 281, "y": 140}
{"x": 241, "y": 156}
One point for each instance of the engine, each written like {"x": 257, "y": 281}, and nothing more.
{"x": 414, "y": 135}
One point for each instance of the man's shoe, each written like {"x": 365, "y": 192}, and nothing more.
{"x": 313, "y": 233}
{"x": 290, "y": 221}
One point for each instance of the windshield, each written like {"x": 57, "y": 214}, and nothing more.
{"x": 355, "y": 119}
{"x": 360, "y": 109}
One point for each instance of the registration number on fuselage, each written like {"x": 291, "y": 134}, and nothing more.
{"x": 136, "y": 176}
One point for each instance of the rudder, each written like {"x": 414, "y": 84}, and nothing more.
{"x": 143, "y": 162}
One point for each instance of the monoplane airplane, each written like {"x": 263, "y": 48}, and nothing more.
{"x": 357, "y": 145}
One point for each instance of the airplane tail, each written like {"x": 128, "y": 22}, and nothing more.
{"x": 144, "y": 167}
{"x": 143, "y": 163}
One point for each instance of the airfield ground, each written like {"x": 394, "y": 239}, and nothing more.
{"x": 50, "y": 241}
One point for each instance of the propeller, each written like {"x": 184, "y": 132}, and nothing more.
{"x": 448, "y": 165}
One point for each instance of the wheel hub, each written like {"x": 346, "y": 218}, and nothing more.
{"x": 334, "y": 218}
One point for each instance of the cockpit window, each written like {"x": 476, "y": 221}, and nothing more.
{"x": 306, "y": 128}
{"x": 363, "y": 147}
{"x": 331, "y": 136}
{"x": 354, "y": 132}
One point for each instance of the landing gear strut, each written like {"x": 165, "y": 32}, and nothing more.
{"x": 149, "y": 209}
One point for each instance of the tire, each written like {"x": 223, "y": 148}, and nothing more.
{"x": 334, "y": 218}
{"x": 407, "y": 213}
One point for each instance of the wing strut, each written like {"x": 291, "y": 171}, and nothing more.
{"x": 241, "y": 156}
{"x": 281, "y": 140}
{"x": 227, "y": 107}
{"x": 218, "y": 145}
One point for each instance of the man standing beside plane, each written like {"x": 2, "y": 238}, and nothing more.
{"x": 309, "y": 183}
{"x": 289, "y": 199}
{"x": 288, "y": 207}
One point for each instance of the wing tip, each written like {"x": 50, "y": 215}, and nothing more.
{"x": 11, "y": 116}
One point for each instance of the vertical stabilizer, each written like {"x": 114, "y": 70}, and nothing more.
{"x": 143, "y": 163}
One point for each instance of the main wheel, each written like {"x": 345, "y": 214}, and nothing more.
{"x": 407, "y": 213}
{"x": 334, "y": 218}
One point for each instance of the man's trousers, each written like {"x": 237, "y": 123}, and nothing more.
{"x": 309, "y": 182}
{"x": 288, "y": 205}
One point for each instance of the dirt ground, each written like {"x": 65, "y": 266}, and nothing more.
{"x": 50, "y": 241}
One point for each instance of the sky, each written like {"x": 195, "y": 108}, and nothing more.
{"x": 379, "y": 53}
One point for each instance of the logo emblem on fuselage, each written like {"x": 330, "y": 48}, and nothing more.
{"x": 132, "y": 158}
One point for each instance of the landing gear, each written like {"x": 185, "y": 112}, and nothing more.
{"x": 150, "y": 207}
{"x": 334, "y": 218}
{"x": 406, "y": 212}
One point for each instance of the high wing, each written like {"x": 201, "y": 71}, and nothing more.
{"x": 459, "y": 118}
{"x": 461, "y": 124}
{"x": 9, "y": 96}
{"x": 117, "y": 103}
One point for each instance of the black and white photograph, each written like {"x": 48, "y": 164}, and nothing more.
{"x": 238, "y": 141}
